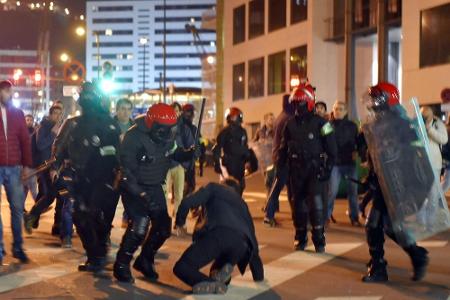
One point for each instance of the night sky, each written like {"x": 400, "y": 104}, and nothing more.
{"x": 20, "y": 29}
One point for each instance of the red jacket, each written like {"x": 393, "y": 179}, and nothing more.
{"x": 15, "y": 148}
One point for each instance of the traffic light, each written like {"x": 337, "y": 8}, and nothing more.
{"x": 107, "y": 83}
{"x": 17, "y": 74}
{"x": 37, "y": 77}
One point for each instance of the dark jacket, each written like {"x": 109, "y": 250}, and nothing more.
{"x": 184, "y": 138}
{"x": 264, "y": 134}
{"x": 346, "y": 133}
{"x": 233, "y": 141}
{"x": 15, "y": 147}
{"x": 44, "y": 141}
{"x": 279, "y": 124}
{"x": 305, "y": 142}
{"x": 221, "y": 206}
{"x": 143, "y": 162}
{"x": 90, "y": 143}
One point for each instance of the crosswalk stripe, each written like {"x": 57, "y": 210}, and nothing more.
{"x": 279, "y": 271}
{"x": 433, "y": 244}
{"x": 351, "y": 298}
{"x": 31, "y": 276}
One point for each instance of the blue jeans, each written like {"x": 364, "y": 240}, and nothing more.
{"x": 30, "y": 185}
{"x": 337, "y": 174}
{"x": 66, "y": 229}
{"x": 277, "y": 186}
{"x": 10, "y": 179}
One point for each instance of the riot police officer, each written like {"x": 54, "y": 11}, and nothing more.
{"x": 390, "y": 131}
{"x": 309, "y": 149}
{"x": 146, "y": 154}
{"x": 88, "y": 144}
{"x": 233, "y": 141}
{"x": 188, "y": 132}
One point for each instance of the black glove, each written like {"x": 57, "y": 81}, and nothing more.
{"x": 182, "y": 155}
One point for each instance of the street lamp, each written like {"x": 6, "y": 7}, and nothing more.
{"x": 80, "y": 31}
{"x": 64, "y": 57}
{"x": 143, "y": 41}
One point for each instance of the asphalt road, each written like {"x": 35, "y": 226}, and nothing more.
{"x": 335, "y": 275}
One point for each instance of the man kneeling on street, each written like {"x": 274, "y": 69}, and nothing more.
{"x": 224, "y": 234}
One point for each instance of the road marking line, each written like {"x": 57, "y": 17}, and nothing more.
{"x": 433, "y": 244}
{"x": 31, "y": 276}
{"x": 279, "y": 271}
{"x": 351, "y": 298}
{"x": 260, "y": 195}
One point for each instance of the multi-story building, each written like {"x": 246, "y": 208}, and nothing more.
{"x": 30, "y": 78}
{"x": 130, "y": 35}
{"x": 341, "y": 46}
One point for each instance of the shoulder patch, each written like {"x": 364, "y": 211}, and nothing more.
{"x": 326, "y": 129}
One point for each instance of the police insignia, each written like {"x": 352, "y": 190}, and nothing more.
{"x": 326, "y": 129}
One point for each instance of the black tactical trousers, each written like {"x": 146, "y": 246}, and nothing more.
{"x": 307, "y": 203}
{"x": 378, "y": 224}
{"x": 140, "y": 214}
{"x": 94, "y": 208}
{"x": 220, "y": 245}
{"x": 236, "y": 168}
{"x": 46, "y": 196}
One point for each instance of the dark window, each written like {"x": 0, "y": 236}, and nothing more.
{"x": 112, "y": 20}
{"x": 239, "y": 24}
{"x": 239, "y": 81}
{"x": 256, "y": 18}
{"x": 434, "y": 36}
{"x": 114, "y": 32}
{"x": 299, "y": 11}
{"x": 181, "y": 79}
{"x": 115, "y": 8}
{"x": 144, "y": 28}
{"x": 277, "y": 73}
{"x": 364, "y": 14}
{"x": 184, "y": 43}
{"x": 123, "y": 79}
{"x": 187, "y": 67}
{"x": 113, "y": 44}
{"x": 178, "y": 19}
{"x": 298, "y": 63}
{"x": 178, "y": 55}
{"x": 277, "y": 14}
{"x": 182, "y": 31}
{"x": 393, "y": 10}
{"x": 338, "y": 18}
{"x": 184, "y": 7}
{"x": 115, "y": 68}
{"x": 123, "y": 92}
{"x": 143, "y": 22}
{"x": 256, "y": 78}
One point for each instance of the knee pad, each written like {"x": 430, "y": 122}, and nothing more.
{"x": 139, "y": 226}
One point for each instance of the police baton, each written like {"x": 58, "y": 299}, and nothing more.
{"x": 45, "y": 166}
{"x": 197, "y": 132}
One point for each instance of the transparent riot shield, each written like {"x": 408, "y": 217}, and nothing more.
{"x": 263, "y": 152}
{"x": 398, "y": 145}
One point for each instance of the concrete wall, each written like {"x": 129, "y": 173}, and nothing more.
{"x": 424, "y": 83}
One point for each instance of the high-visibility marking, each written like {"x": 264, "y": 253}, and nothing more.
{"x": 279, "y": 271}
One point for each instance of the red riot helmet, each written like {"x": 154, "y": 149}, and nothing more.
{"x": 188, "y": 107}
{"x": 160, "y": 119}
{"x": 303, "y": 95}
{"x": 384, "y": 93}
{"x": 234, "y": 114}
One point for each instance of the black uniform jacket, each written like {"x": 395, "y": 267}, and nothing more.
{"x": 223, "y": 207}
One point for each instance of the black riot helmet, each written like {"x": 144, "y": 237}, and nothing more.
{"x": 91, "y": 99}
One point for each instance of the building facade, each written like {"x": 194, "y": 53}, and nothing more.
{"x": 130, "y": 36}
{"x": 341, "y": 46}
{"x": 30, "y": 77}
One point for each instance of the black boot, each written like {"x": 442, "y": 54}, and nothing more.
{"x": 420, "y": 260}
{"x": 94, "y": 264}
{"x": 301, "y": 240}
{"x": 121, "y": 268}
{"x": 376, "y": 271}
{"x": 318, "y": 237}
{"x": 146, "y": 267}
